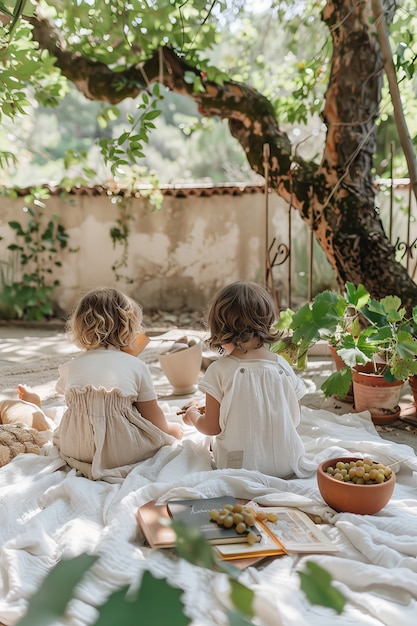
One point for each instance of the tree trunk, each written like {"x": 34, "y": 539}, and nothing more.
{"x": 335, "y": 198}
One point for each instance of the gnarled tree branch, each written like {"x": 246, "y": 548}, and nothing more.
{"x": 337, "y": 197}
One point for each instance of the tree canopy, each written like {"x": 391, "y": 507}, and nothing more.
{"x": 112, "y": 51}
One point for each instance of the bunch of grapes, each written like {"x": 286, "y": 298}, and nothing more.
{"x": 241, "y": 517}
{"x": 360, "y": 472}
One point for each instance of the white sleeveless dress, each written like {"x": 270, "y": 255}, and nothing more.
{"x": 259, "y": 415}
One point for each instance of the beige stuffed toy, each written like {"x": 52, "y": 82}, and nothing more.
{"x": 17, "y": 438}
{"x": 22, "y": 429}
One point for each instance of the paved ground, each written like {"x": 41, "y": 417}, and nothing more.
{"x": 24, "y": 344}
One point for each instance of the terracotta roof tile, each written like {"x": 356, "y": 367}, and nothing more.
{"x": 178, "y": 191}
{"x": 184, "y": 190}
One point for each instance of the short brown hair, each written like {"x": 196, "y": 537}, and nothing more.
{"x": 105, "y": 317}
{"x": 238, "y": 313}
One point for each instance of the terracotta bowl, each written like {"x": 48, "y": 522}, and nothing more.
{"x": 348, "y": 497}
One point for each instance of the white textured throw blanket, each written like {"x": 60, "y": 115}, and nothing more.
{"x": 47, "y": 512}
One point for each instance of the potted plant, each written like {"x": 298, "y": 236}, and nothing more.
{"x": 390, "y": 338}
{"x": 375, "y": 340}
{"x": 330, "y": 316}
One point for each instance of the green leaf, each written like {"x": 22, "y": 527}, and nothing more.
{"x": 392, "y": 307}
{"x": 356, "y": 351}
{"x": 123, "y": 138}
{"x": 151, "y": 115}
{"x": 156, "y": 602}
{"x": 115, "y": 607}
{"x": 314, "y": 321}
{"x": 5, "y": 10}
{"x": 406, "y": 346}
{"x": 170, "y": 611}
{"x": 316, "y": 584}
{"x": 15, "y": 225}
{"x": 285, "y": 319}
{"x": 192, "y": 546}
{"x": 242, "y": 597}
{"x": 50, "y": 601}
{"x": 356, "y": 296}
{"x": 338, "y": 383}
{"x": 198, "y": 86}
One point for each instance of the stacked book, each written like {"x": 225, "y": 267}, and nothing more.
{"x": 291, "y": 530}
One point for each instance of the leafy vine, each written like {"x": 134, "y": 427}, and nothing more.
{"x": 140, "y": 184}
{"x": 26, "y": 283}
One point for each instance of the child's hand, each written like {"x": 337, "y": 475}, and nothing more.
{"x": 176, "y": 430}
{"x": 191, "y": 414}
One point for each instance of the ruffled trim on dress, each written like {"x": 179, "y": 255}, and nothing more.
{"x": 103, "y": 435}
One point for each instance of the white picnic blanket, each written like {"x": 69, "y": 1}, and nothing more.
{"x": 47, "y": 512}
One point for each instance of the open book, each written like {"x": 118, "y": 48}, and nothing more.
{"x": 294, "y": 530}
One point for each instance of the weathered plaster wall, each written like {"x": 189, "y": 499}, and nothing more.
{"x": 177, "y": 256}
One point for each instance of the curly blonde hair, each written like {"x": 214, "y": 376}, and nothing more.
{"x": 105, "y": 317}
{"x": 238, "y": 313}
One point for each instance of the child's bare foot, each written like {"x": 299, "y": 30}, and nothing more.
{"x": 28, "y": 396}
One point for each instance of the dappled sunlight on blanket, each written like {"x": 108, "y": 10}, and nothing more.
{"x": 48, "y": 512}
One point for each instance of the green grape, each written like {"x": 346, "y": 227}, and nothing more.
{"x": 353, "y": 472}
{"x": 228, "y": 521}
{"x": 373, "y": 473}
{"x": 241, "y": 528}
{"x": 360, "y": 472}
{"x": 248, "y": 518}
{"x": 220, "y": 519}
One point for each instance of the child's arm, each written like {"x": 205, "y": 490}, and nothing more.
{"x": 207, "y": 423}
{"x": 152, "y": 412}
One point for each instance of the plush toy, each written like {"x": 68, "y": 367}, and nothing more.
{"x": 16, "y": 439}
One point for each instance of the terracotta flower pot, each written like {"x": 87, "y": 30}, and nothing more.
{"x": 373, "y": 393}
{"x": 182, "y": 368}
